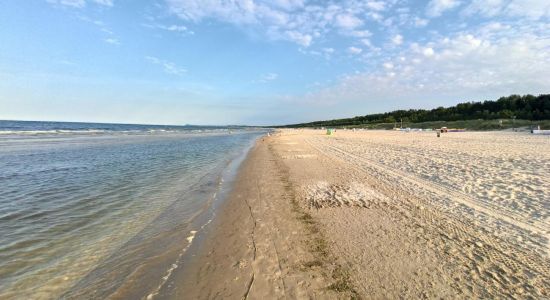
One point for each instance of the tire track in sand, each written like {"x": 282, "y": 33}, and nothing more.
{"x": 454, "y": 195}
{"x": 512, "y": 256}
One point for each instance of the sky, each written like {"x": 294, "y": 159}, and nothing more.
{"x": 259, "y": 62}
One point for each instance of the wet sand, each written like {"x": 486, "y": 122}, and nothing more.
{"x": 381, "y": 214}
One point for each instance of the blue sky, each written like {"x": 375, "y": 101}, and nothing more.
{"x": 263, "y": 62}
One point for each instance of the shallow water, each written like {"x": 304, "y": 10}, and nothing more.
{"x": 95, "y": 215}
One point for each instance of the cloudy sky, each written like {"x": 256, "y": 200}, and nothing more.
{"x": 263, "y": 62}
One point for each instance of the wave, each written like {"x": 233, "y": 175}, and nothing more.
{"x": 39, "y": 127}
{"x": 105, "y": 132}
{"x": 37, "y": 132}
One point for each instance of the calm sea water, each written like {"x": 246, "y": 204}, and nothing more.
{"x": 99, "y": 210}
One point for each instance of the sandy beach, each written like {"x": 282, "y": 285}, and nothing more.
{"x": 381, "y": 214}
{"x": 288, "y": 149}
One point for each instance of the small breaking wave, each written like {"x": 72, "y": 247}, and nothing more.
{"x": 30, "y": 128}
{"x": 177, "y": 263}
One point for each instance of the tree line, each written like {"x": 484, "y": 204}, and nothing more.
{"x": 526, "y": 107}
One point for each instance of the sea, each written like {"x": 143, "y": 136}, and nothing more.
{"x": 95, "y": 211}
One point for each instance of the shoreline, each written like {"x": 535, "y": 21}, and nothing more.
{"x": 200, "y": 226}
{"x": 310, "y": 218}
{"x": 253, "y": 249}
{"x": 163, "y": 255}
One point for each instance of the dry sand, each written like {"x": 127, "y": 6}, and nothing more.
{"x": 382, "y": 214}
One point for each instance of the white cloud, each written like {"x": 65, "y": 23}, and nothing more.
{"x": 268, "y": 77}
{"x": 80, "y": 3}
{"x": 172, "y": 28}
{"x": 168, "y": 67}
{"x": 532, "y": 9}
{"x": 327, "y": 53}
{"x": 397, "y": 39}
{"x": 297, "y": 21}
{"x": 485, "y": 7}
{"x": 271, "y": 17}
{"x": 437, "y": 7}
{"x": 419, "y": 22}
{"x": 460, "y": 58}
{"x": 376, "y": 5}
{"x": 483, "y": 62}
{"x": 300, "y": 38}
{"x": 73, "y": 3}
{"x": 112, "y": 41}
{"x": 375, "y": 16}
{"x": 289, "y": 4}
{"x": 104, "y": 2}
{"x": 355, "y": 50}
{"x": 238, "y": 11}
{"x": 358, "y": 33}
{"x": 110, "y": 36}
{"x": 428, "y": 52}
{"x": 348, "y": 21}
